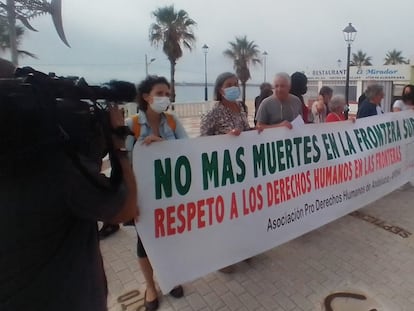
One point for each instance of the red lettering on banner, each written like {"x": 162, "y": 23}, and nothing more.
{"x": 159, "y": 222}
{"x": 287, "y": 188}
{"x": 170, "y": 220}
{"x": 184, "y": 217}
{"x": 191, "y": 214}
{"x": 201, "y": 223}
{"x": 255, "y": 201}
{"x": 332, "y": 175}
{"x": 234, "y": 213}
{"x": 181, "y": 218}
{"x": 210, "y": 202}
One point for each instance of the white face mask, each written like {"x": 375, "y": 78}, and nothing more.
{"x": 160, "y": 104}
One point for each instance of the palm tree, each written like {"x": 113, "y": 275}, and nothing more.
{"x": 244, "y": 53}
{"x": 24, "y": 10}
{"x": 394, "y": 57}
{"x": 5, "y": 38}
{"x": 174, "y": 30}
{"x": 360, "y": 59}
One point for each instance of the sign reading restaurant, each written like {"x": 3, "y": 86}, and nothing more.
{"x": 383, "y": 73}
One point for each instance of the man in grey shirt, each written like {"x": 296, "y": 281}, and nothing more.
{"x": 281, "y": 108}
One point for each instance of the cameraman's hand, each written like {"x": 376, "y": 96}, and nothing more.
{"x": 116, "y": 116}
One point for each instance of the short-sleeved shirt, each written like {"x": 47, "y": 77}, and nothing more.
{"x": 273, "y": 111}
{"x": 401, "y": 105}
{"x": 368, "y": 109}
{"x": 165, "y": 130}
{"x": 319, "y": 117}
{"x": 49, "y": 249}
{"x": 334, "y": 117}
{"x": 221, "y": 120}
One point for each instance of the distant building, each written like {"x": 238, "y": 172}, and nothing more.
{"x": 392, "y": 77}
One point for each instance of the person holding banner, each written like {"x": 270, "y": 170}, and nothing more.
{"x": 336, "y": 107}
{"x": 406, "y": 101}
{"x": 228, "y": 115}
{"x": 372, "y": 105}
{"x": 281, "y": 108}
{"x": 151, "y": 125}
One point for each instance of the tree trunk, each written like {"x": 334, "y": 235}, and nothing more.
{"x": 172, "y": 81}
{"x": 244, "y": 95}
{"x": 11, "y": 17}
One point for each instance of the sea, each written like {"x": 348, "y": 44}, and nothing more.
{"x": 195, "y": 93}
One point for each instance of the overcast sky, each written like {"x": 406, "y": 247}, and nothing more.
{"x": 109, "y": 39}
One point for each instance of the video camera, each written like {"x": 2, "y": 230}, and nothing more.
{"x": 42, "y": 113}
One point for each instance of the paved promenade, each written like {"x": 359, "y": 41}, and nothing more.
{"x": 348, "y": 255}
{"x": 365, "y": 255}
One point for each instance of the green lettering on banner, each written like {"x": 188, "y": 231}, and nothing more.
{"x": 359, "y": 139}
{"x": 330, "y": 145}
{"x": 399, "y": 137}
{"x": 210, "y": 169}
{"x": 408, "y": 126}
{"x": 162, "y": 178}
{"x": 259, "y": 160}
{"x": 297, "y": 141}
{"x": 183, "y": 162}
{"x": 316, "y": 156}
{"x": 280, "y": 155}
{"x": 271, "y": 157}
{"x": 241, "y": 165}
{"x": 307, "y": 149}
{"x": 350, "y": 144}
{"x": 289, "y": 158}
{"x": 227, "y": 173}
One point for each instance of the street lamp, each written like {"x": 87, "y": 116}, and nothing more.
{"x": 147, "y": 63}
{"x": 339, "y": 63}
{"x": 349, "y": 36}
{"x": 264, "y": 65}
{"x": 205, "y": 51}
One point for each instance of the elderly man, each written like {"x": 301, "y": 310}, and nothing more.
{"x": 281, "y": 108}
{"x": 372, "y": 105}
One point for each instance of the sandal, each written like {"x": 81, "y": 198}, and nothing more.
{"x": 177, "y": 292}
{"x": 151, "y": 305}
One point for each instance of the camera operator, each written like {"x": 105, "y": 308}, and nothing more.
{"x": 49, "y": 250}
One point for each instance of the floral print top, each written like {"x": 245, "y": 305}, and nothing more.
{"x": 221, "y": 120}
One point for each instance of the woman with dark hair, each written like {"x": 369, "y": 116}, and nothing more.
{"x": 152, "y": 125}
{"x": 405, "y": 102}
{"x": 228, "y": 115}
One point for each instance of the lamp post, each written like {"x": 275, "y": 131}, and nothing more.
{"x": 264, "y": 64}
{"x": 349, "y": 36}
{"x": 147, "y": 63}
{"x": 339, "y": 63}
{"x": 205, "y": 51}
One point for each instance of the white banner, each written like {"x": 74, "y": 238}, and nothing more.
{"x": 210, "y": 202}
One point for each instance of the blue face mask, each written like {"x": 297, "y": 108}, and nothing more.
{"x": 232, "y": 93}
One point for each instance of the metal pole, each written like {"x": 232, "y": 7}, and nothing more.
{"x": 146, "y": 65}
{"x": 264, "y": 79}
{"x": 347, "y": 79}
{"x": 205, "y": 77}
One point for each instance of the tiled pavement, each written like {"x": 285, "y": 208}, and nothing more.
{"x": 349, "y": 254}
